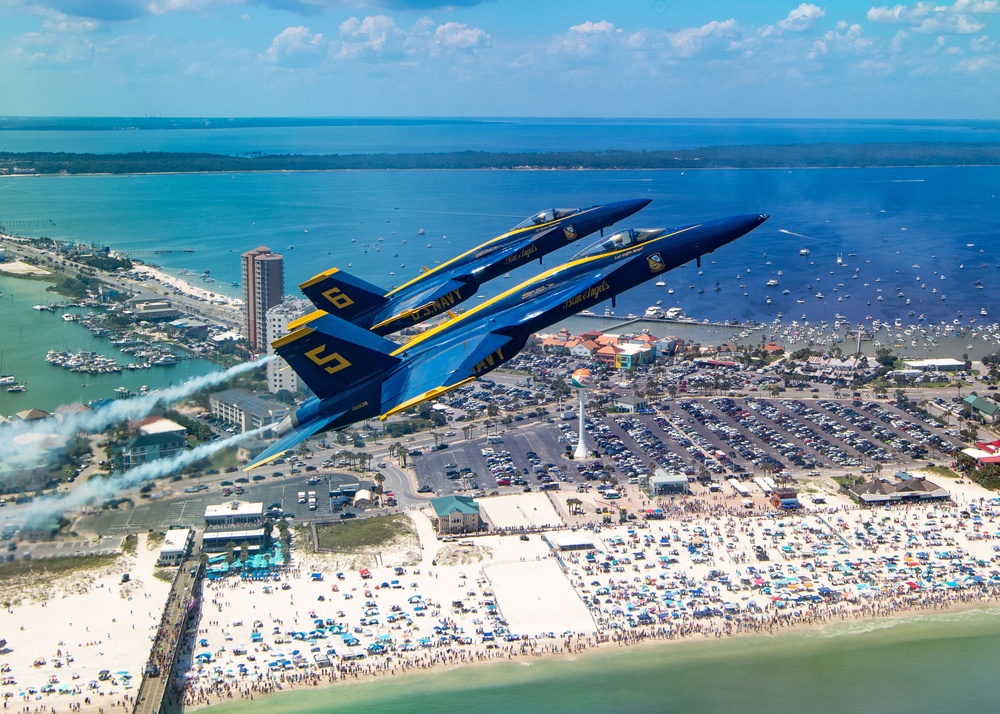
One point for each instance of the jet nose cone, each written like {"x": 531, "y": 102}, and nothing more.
{"x": 623, "y": 209}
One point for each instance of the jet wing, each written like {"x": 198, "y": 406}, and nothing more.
{"x": 444, "y": 367}
{"x": 291, "y": 440}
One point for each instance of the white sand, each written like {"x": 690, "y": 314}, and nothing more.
{"x": 88, "y": 622}
{"x": 187, "y": 288}
{"x": 17, "y": 267}
{"x": 522, "y": 510}
{"x": 550, "y": 604}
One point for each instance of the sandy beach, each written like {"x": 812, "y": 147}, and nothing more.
{"x": 184, "y": 287}
{"x": 61, "y": 635}
{"x": 328, "y": 618}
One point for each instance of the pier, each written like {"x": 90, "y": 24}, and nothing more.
{"x": 158, "y": 251}
{"x": 156, "y": 695}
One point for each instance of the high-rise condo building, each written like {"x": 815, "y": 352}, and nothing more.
{"x": 263, "y": 288}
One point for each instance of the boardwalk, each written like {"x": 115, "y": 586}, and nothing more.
{"x": 154, "y": 695}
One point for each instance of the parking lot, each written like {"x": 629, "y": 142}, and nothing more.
{"x": 710, "y": 438}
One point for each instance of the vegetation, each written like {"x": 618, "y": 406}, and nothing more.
{"x": 130, "y": 544}
{"x": 47, "y": 569}
{"x": 781, "y": 156}
{"x": 364, "y": 534}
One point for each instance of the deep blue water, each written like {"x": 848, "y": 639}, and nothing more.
{"x": 508, "y": 134}
{"x": 367, "y": 222}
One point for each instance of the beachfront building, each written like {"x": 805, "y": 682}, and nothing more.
{"x": 905, "y": 489}
{"x": 279, "y": 377}
{"x": 986, "y": 410}
{"x": 150, "y": 447}
{"x": 263, "y": 275}
{"x": 940, "y": 364}
{"x": 245, "y": 410}
{"x": 234, "y": 522}
{"x": 175, "y": 546}
{"x": 664, "y": 483}
{"x": 456, "y": 514}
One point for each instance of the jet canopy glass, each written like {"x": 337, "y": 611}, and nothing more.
{"x": 553, "y": 214}
{"x": 621, "y": 240}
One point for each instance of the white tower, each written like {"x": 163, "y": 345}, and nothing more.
{"x": 581, "y": 380}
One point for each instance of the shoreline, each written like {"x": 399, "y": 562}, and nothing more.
{"x": 366, "y": 675}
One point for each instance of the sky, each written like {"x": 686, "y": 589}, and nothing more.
{"x": 496, "y": 58}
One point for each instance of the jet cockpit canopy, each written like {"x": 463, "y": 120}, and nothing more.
{"x": 621, "y": 240}
{"x": 552, "y": 214}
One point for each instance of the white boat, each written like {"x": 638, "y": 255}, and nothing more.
{"x": 772, "y": 282}
{"x": 819, "y": 295}
{"x": 7, "y": 379}
{"x": 804, "y": 251}
{"x": 982, "y": 312}
{"x": 660, "y": 284}
{"x": 17, "y": 388}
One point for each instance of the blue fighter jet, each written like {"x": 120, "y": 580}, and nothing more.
{"x": 357, "y": 375}
{"x": 444, "y": 286}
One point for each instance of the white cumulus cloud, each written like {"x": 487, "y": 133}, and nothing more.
{"x": 376, "y": 34}
{"x": 845, "y": 38}
{"x": 930, "y": 17}
{"x": 458, "y": 35}
{"x": 690, "y": 40}
{"x": 801, "y": 18}
{"x": 296, "y": 47}
{"x": 589, "y": 27}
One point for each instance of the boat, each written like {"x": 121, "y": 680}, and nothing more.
{"x": 7, "y": 379}
{"x": 772, "y": 282}
{"x": 804, "y": 251}
{"x": 819, "y": 295}
{"x": 982, "y": 312}
{"x": 17, "y": 388}
{"x": 660, "y": 284}
{"x": 421, "y": 232}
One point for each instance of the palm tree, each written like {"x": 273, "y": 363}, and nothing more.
{"x": 437, "y": 437}
{"x": 401, "y": 454}
{"x": 379, "y": 479}
{"x": 575, "y": 506}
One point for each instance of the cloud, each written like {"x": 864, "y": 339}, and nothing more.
{"x": 589, "y": 28}
{"x": 690, "y": 40}
{"x": 374, "y": 35}
{"x": 976, "y": 65}
{"x": 845, "y": 38}
{"x": 296, "y": 47}
{"x": 122, "y": 10}
{"x": 798, "y": 20}
{"x": 457, "y": 35}
{"x": 930, "y": 17}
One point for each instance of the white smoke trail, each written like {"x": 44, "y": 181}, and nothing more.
{"x": 97, "y": 490}
{"x": 21, "y": 441}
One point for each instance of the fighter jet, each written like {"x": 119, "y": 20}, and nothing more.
{"x": 444, "y": 286}
{"x": 357, "y": 375}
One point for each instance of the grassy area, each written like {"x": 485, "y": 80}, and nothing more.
{"x": 224, "y": 459}
{"x": 48, "y": 568}
{"x": 130, "y": 544}
{"x": 154, "y": 540}
{"x": 942, "y": 471}
{"x": 364, "y": 534}
{"x": 844, "y": 481}
{"x": 166, "y": 576}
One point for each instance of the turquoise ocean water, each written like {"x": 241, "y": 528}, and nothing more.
{"x": 932, "y": 663}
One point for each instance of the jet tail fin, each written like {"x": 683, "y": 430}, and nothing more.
{"x": 333, "y": 356}
{"x": 344, "y": 295}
